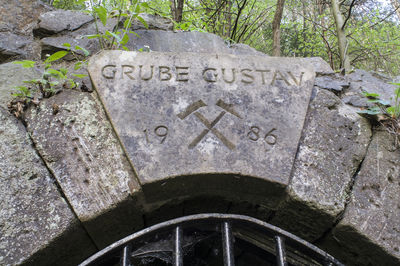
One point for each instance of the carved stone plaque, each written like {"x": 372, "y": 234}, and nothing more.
{"x": 182, "y": 114}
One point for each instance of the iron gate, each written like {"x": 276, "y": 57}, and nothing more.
{"x": 227, "y": 236}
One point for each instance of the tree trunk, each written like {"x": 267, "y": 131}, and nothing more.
{"x": 341, "y": 35}
{"x": 173, "y": 9}
{"x": 177, "y": 9}
{"x": 276, "y": 27}
{"x": 396, "y": 6}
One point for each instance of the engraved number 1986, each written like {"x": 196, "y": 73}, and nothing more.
{"x": 159, "y": 131}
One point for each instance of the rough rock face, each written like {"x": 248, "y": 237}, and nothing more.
{"x": 35, "y": 221}
{"x": 370, "y": 226}
{"x": 360, "y": 81}
{"x": 12, "y": 75}
{"x": 154, "y": 22}
{"x": 335, "y": 140}
{"x": 18, "y": 18}
{"x": 59, "y": 20}
{"x": 75, "y": 139}
{"x": 199, "y": 42}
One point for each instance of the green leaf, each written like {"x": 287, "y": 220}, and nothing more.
{"x": 371, "y": 95}
{"x": 56, "y": 56}
{"x": 78, "y": 65}
{"x": 127, "y": 23}
{"x": 81, "y": 76}
{"x": 85, "y": 52}
{"x": 125, "y": 48}
{"x": 397, "y": 92}
{"x": 143, "y": 21}
{"x": 66, "y": 45}
{"x": 22, "y": 92}
{"x": 125, "y": 39}
{"x": 144, "y": 5}
{"x": 380, "y": 101}
{"x": 93, "y": 36}
{"x": 56, "y": 73}
{"x": 54, "y": 83}
{"x": 114, "y": 35}
{"x": 25, "y": 63}
{"x": 64, "y": 71}
{"x": 370, "y": 111}
{"x": 101, "y": 11}
{"x": 391, "y": 110}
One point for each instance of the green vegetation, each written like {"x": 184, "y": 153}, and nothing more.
{"x": 125, "y": 12}
{"x": 51, "y": 81}
{"x": 364, "y": 33}
{"x": 384, "y": 112}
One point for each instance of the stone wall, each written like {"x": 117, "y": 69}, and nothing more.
{"x": 69, "y": 185}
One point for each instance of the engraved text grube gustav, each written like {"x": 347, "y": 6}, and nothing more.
{"x": 264, "y": 76}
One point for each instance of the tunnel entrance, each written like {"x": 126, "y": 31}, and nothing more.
{"x": 211, "y": 239}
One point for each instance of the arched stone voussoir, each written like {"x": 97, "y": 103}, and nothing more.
{"x": 37, "y": 227}
{"x": 77, "y": 143}
{"x": 334, "y": 143}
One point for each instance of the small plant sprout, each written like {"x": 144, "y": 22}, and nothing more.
{"x": 384, "y": 112}
{"x": 51, "y": 81}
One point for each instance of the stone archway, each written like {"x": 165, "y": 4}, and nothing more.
{"x": 73, "y": 182}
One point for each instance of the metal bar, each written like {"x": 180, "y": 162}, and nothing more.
{"x": 227, "y": 244}
{"x": 280, "y": 251}
{"x": 178, "y": 256}
{"x": 126, "y": 256}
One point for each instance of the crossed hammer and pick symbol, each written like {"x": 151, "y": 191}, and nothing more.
{"x": 210, "y": 126}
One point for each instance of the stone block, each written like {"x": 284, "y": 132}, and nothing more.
{"x": 361, "y": 80}
{"x": 75, "y": 139}
{"x": 180, "y": 41}
{"x": 37, "y": 227}
{"x": 12, "y": 75}
{"x": 60, "y": 20}
{"x": 154, "y": 22}
{"x": 369, "y": 230}
{"x": 334, "y": 143}
{"x": 206, "y": 124}
{"x": 20, "y": 16}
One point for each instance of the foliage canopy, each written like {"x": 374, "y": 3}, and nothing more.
{"x": 307, "y": 27}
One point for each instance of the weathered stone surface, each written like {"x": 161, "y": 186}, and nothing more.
{"x": 59, "y": 20}
{"x": 321, "y": 67}
{"x": 334, "y": 83}
{"x": 20, "y": 16}
{"x": 51, "y": 45}
{"x": 17, "y": 19}
{"x": 75, "y": 139}
{"x": 168, "y": 41}
{"x": 370, "y": 229}
{"x": 334, "y": 143}
{"x": 36, "y": 224}
{"x": 153, "y": 40}
{"x": 154, "y": 22}
{"x": 244, "y": 49}
{"x": 12, "y": 46}
{"x": 178, "y": 115}
{"x": 12, "y": 75}
{"x": 360, "y": 81}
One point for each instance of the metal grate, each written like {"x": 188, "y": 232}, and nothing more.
{"x": 173, "y": 241}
